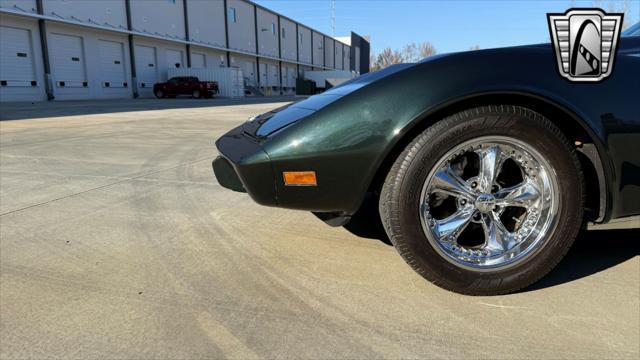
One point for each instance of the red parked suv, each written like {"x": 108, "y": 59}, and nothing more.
{"x": 186, "y": 85}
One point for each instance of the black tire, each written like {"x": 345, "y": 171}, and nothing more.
{"x": 401, "y": 192}
{"x": 197, "y": 94}
{"x": 160, "y": 93}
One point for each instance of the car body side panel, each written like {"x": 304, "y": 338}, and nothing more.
{"x": 347, "y": 141}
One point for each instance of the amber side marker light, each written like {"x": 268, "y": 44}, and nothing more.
{"x": 299, "y": 178}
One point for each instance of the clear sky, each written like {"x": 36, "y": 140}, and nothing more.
{"x": 452, "y": 25}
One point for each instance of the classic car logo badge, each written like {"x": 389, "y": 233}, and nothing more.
{"x": 585, "y": 43}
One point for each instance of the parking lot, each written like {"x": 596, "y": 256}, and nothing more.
{"x": 117, "y": 242}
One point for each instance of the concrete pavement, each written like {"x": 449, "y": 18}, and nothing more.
{"x": 116, "y": 242}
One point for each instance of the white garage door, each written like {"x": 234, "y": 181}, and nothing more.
{"x": 263, "y": 74}
{"x": 17, "y": 66}
{"x": 248, "y": 71}
{"x": 146, "y": 67}
{"x": 285, "y": 76}
{"x": 198, "y": 61}
{"x": 112, "y": 70}
{"x": 174, "y": 59}
{"x": 292, "y": 77}
{"x": 274, "y": 78}
{"x": 67, "y": 61}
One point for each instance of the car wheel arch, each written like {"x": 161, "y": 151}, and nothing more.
{"x": 599, "y": 169}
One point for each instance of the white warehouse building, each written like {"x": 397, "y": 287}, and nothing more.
{"x": 79, "y": 49}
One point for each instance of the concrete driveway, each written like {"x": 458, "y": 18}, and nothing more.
{"x": 117, "y": 242}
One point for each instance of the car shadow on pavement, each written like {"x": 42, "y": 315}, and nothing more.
{"x": 593, "y": 252}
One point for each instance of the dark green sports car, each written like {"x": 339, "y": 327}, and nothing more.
{"x": 484, "y": 165}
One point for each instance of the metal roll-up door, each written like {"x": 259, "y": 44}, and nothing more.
{"x": 248, "y": 71}
{"x": 198, "y": 61}
{"x": 146, "y": 67}
{"x": 67, "y": 61}
{"x": 292, "y": 77}
{"x": 174, "y": 59}
{"x": 263, "y": 74}
{"x": 285, "y": 76}
{"x": 17, "y": 68}
{"x": 273, "y": 75}
{"x": 113, "y": 73}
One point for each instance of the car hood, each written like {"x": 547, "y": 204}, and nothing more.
{"x": 268, "y": 123}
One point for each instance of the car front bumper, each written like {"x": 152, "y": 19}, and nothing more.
{"x": 245, "y": 167}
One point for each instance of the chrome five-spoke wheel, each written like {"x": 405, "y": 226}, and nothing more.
{"x": 489, "y": 203}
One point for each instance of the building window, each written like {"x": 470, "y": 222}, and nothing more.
{"x": 300, "y": 38}
{"x": 232, "y": 15}
{"x": 282, "y": 33}
{"x": 273, "y": 29}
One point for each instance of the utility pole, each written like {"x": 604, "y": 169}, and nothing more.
{"x": 333, "y": 18}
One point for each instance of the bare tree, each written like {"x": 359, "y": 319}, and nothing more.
{"x": 474, "y": 47}
{"x": 388, "y": 57}
{"x": 426, "y": 49}
{"x": 410, "y": 53}
{"x": 623, "y": 7}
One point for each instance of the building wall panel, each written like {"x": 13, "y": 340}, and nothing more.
{"x": 206, "y": 22}
{"x": 103, "y": 12}
{"x": 288, "y": 39}
{"x": 346, "y": 54}
{"x": 158, "y": 17}
{"x": 318, "y": 49}
{"x": 27, "y": 6}
{"x": 304, "y": 44}
{"x": 338, "y": 52}
{"x": 242, "y": 34}
{"x": 267, "y": 33}
{"x": 328, "y": 52}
